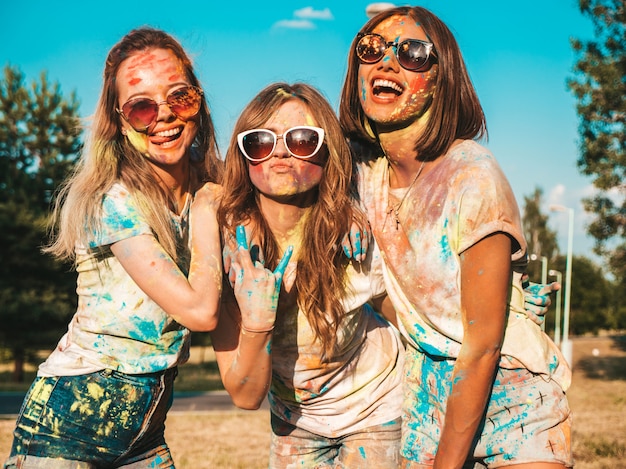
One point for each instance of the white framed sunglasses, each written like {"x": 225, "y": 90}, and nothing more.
{"x": 302, "y": 142}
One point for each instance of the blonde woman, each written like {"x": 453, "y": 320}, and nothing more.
{"x": 142, "y": 231}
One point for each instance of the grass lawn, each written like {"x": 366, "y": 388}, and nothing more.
{"x": 240, "y": 439}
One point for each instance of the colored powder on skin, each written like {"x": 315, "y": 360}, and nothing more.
{"x": 138, "y": 140}
{"x": 362, "y": 451}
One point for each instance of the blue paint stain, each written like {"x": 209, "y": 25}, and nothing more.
{"x": 444, "y": 243}
{"x": 362, "y": 451}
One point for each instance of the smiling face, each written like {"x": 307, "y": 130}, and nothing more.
{"x": 153, "y": 74}
{"x": 282, "y": 175}
{"x": 389, "y": 94}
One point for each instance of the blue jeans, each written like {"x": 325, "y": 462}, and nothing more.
{"x": 100, "y": 420}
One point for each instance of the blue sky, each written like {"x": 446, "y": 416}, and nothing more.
{"x": 518, "y": 55}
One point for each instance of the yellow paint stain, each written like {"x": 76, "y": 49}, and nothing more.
{"x": 82, "y": 407}
{"x": 106, "y": 429}
{"x": 95, "y": 391}
{"x": 138, "y": 140}
{"x": 104, "y": 408}
{"x": 42, "y": 391}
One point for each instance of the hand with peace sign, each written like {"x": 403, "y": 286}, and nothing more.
{"x": 256, "y": 288}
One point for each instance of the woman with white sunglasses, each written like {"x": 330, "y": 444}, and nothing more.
{"x": 330, "y": 363}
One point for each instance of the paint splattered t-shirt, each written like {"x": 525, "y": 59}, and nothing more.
{"x": 461, "y": 200}
{"x": 360, "y": 386}
{"x": 117, "y": 326}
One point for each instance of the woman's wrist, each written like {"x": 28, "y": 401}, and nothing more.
{"x": 266, "y": 330}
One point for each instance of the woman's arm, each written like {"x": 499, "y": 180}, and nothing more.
{"x": 192, "y": 301}
{"x": 242, "y": 340}
{"x": 244, "y": 357}
{"x": 485, "y": 267}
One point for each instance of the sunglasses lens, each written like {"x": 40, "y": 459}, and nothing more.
{"x": 412, "y": 54}
{"x": 140, "y": 113}
{"x": 258, "y": 145}
{"x": 185, "y": 102}
{"x": 370, "y": 49}
{"x": 302, "y": 142}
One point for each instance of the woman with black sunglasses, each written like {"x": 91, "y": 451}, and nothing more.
{"x": 330, "y": 363}
{"x": 483, "y": 384}
{"x": 146, "y": 275}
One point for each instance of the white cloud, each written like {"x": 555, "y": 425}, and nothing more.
{"x": 310, "y": 13}
{"x": 294, "y": 24}
{"x": 555, "y": 196}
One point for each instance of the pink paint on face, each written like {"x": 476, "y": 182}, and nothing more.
{"x": 284, "y": 175}
{"x": 390, "y": 94}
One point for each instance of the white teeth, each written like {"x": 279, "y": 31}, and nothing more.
{"x": 168, "y": 133}
{"x": 388, "y": 84}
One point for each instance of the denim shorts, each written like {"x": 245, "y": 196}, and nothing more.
{"x": 527, "y": 419}
{"x": 100, "y": 420}
{"x": 375, "y": 447}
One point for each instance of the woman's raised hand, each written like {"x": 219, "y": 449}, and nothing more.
{"x": 256, "y": 288}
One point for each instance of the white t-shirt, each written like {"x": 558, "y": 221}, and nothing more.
{"x": 462, "y": 199}
{"x": 360, "y": 386}
{"x": 117, "y": 326}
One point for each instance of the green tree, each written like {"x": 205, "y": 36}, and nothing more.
{"x": 540, "y": 238}
{"x": 39, "y": 144}
{"x": 599, "y": 84}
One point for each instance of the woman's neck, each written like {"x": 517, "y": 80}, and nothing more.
{"x": 175, "y": 181}
{"x": 286, "y": 221}
{"x": 399, "y": 147}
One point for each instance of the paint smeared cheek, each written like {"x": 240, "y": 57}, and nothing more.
{"x": 363, "y": 95}
{"x": 419, "y": 91}
{"x": 138, "y": 140}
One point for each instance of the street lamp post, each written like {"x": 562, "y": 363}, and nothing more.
{"x": 544, "y": 275}
{"x": 544, "y": 267}
{"x": 557, "y": 318}
{"x": 566, "y": 346}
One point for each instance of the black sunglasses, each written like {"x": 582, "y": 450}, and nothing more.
{"x": 412, "y": 54}
{"x": 141, "y": 113}
{"x": 302, "y": 142}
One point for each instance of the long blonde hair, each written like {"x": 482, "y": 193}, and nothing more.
{"x": 108, "y": 157}
{"x": 320, "y": 279}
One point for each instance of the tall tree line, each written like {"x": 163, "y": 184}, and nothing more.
{"x": 39, "y": 144}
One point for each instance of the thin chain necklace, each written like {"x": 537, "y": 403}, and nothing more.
{"x": 395, "y": 210}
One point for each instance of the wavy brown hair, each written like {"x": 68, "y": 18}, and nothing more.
{"x": 109, "y": 158}
{"x": 455, "y": 112}
{"x": 320, "y": 280}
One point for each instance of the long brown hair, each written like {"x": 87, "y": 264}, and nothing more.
{"x": 455, "y": 113}
{"x": 109, "y": 157}
{"x": 320, "y": 282}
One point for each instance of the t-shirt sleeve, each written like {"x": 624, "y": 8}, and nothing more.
{"x": 486, "y": 205}
{"x": 121, "y": 219}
